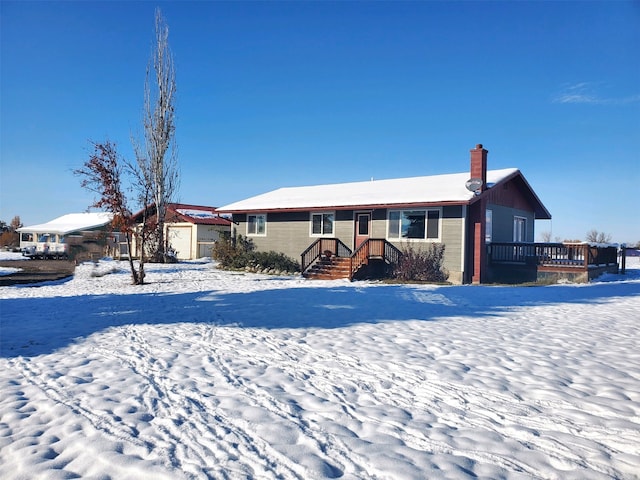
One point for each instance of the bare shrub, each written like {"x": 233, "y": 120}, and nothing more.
{"x": 424, "y": 265}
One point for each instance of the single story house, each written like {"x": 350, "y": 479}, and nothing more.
{"x": 53, "y": 239}
{"x": 465, "y": 211}
{"x": 191, "y": 230}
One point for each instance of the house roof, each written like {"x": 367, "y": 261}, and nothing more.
{"x": 427, "y": 190}
{"x": 72, "y": 222}
{"x": 196, "y": 214}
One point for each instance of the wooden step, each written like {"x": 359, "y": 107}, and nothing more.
{"x": 329, "y": 269}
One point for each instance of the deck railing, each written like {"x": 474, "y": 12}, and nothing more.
{"x": 580, "y": 255}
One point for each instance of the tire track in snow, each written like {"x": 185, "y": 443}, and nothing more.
{"x": 463, "y": 406}
{"x": 57, "y": 393}
{"x": 365, "y": 379}
{"x": 179, "y": 412}
{"x": 202, "y": 430}
{"x": 326, "y": 445}
{"x": 457, "y": 405}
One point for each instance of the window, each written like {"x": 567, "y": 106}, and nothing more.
{"x": 519, "y": 229}
{"x": 322, "y": 224}
{"x": 257, "y": 224}
{"x": 27, "y": 237}
{"x": 488, "y": 226}
{"x": 414, "y": 224}
{"x": 363, "y": 225}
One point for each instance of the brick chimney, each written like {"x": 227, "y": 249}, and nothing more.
{"x": 479, "y": 164}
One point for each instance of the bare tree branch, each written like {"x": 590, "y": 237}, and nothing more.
{"x": 157, "y": 160}
{"x": 103, "y": 174}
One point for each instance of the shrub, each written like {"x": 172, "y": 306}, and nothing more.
{"x": 232, "y": 252}
{"x": 238, "y": 253}
{"x": 9, "y": 239}
{"x": 421, "y": 265}
{"x": 273, "y": 261}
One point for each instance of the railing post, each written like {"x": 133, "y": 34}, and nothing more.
{"x": 586, "y": 251}
{"x": 351, "y": 268}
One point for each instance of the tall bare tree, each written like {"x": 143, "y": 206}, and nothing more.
{"x": 157, "y": 157}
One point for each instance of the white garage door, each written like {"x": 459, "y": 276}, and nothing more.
{"x": 180, "y": 240}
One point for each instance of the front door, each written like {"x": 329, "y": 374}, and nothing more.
{"x": 363, "y": 227}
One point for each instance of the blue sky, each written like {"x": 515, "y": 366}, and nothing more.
{"x": 274, "y": 94}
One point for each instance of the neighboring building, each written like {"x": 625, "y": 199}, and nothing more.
{"x": 464, "y": 211}
{"x": 87, "y": 232}
{"x": 191, "y": 230}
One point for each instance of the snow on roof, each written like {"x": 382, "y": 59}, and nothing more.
{"x": 197, "y": 214}
{"x": 192, "y": 212}
{"x": 71, "y": 222}
{"x": 428, "y": 189}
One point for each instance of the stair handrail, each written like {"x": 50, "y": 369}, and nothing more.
{"x": 389, "y": 253}
{"x": 392, "y": 253}
{"x": 342, "y": 250}
{"x": 333, "y": 245}
{"x": 309, "y": 255}
{"x": 359, "y": 257}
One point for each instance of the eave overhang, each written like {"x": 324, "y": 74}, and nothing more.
{"x": 351, "y": 207}
{"x": 540, "y": 211}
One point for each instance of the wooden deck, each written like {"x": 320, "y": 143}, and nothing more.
{"x": 578, "y": 262}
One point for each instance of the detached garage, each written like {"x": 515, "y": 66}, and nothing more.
{"x": 192, "y": 230}
{"x": 179, "y": 239}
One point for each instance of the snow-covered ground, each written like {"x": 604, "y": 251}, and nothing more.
{"x": 209, "y": 374}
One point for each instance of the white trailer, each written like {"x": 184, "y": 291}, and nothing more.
{"x": 52, "y": 240}
{"x": 46, "y": 246}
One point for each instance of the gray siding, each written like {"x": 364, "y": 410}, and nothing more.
{"x": 503, "y": 223}
{"x": 451, "y": 235}
{"x": 379, "y": 223}
{"x": 343, "y": 228}
{"x": 289, "y": 233}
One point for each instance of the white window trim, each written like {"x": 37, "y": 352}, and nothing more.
{"x": 524, "y": 219}
{"x": 320, "y": 235}
{"x": 265, "y": 225}
{"x": 488, "y": 236}
{"x": 438, "y": 239}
